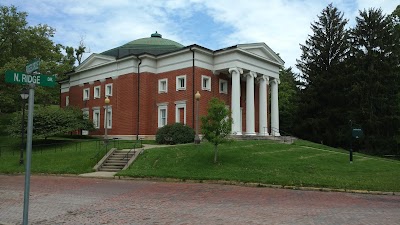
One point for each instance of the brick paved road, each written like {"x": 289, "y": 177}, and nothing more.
{"x": 75, "y": 200}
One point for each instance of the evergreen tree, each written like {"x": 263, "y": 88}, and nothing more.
{"x": 322, "y": 109}
{"x": 375, "y": 88}
{"x": 288, "y": 100}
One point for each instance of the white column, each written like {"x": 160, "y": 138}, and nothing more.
{"x": 274, "y": 108}
{"x": 235, "y": 99}
{"x": 250, "y": 114}
{"x": 263, "y": 117}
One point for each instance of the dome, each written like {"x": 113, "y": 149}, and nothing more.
{"x": 154, "y": 45}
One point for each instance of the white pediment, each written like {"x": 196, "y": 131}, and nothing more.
{"x": 262, "y": 50}
{"x": 95, "y": 60}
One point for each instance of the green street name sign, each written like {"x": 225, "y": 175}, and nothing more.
{"x": 32, "y": 66}
{"x": 23, "y": 78}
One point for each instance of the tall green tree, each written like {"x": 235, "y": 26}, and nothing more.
{"x": 288, "y": 100}
{"x": 20, "y": 43}
{"x": 217, "y": 124}
{"x": 322, "y": 115}
{"x": 375, "y": 93}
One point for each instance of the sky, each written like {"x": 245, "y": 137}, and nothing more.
{"x": 215, "y": 24}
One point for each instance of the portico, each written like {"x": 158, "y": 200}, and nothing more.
{"x": 252, "y": 79}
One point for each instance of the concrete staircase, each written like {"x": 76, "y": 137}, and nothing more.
{"x": 117, "y": 160}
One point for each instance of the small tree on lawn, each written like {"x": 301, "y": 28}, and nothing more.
{"x": 216, "y": 125}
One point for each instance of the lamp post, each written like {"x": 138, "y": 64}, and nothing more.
{"x": 24, "y": 96}
{"x": 196, "y": 137}
{"x": 106, "y": 102}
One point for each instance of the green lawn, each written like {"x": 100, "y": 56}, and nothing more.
{"x": 56, "y": 155}
{"x": 300, "y": 164}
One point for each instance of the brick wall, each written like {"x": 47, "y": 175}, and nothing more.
{"x": 125, "y": 105}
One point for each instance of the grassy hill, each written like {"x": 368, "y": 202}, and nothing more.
{"x": 268, "y": 162}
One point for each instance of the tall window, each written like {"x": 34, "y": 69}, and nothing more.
{"x": 86, "y": 93}
{"x": 162, "y": 115}
{"x": 163, "y": 85}
{"x": 181, "y": 83}
{"x": 66, "y": 100}
{"x": 109, "y": 117}
{"x": 108, "y": 90}
{"x": 223, "y": 86}
{"x": 206, "y": 83}
{"x": 96, "y": 118}
{"x": 96, "y": 91}
{"x": 180, "y": 112}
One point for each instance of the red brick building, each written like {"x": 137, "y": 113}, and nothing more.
{"x": 152, "y": 82}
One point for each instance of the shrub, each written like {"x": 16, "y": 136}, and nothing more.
{"x": 176, "y": 133}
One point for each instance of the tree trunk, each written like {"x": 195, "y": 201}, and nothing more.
{"x": 215, "y": 153}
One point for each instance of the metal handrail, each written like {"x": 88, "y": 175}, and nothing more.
{"x": 99, "y": 151}
{"x": 134, "y": 148}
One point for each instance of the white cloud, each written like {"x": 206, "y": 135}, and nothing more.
{"x": 281, "y": 24}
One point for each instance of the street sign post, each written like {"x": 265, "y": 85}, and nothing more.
{"x": 32, "y": 66}
{"x": 23, "y": 78}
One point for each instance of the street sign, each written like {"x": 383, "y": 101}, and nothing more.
{"x": 23, "y": 78}
{"x": 32, "y": 66}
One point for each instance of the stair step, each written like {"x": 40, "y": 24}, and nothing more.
{"x": 114, "y": 164}
{"x": 109, "y": 170}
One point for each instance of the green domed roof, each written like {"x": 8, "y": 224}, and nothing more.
{"x": 154, "y": 45}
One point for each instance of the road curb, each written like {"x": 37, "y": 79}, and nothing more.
{"x": 250, "y": 184}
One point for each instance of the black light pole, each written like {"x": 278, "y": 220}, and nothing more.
{"x": 351, "y": 142}
{"x": 106, "y": 102}
{"x": 24, "y": 96}
{"x": 196, "y": 137}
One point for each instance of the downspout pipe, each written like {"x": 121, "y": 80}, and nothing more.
{"x": 193, "y": 91}
{"x": 138, "y": 98}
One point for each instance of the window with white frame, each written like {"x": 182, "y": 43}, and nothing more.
{"x": 180, "y": 112}
{"x": 96, "y": 117}
{"x": 86, "y": 93}
{"x": 66, "y": 100}
{"x": 205, "y": 83}
{"x": 108, "y": 90}
{"x": 96, "y": 92}
{"x": 108, "y": 117}
{"x": 223, "y": 86}
{"x": 162, "y": 115}
{"x": 181, "y": 83}
{"x": 163, "y": 85}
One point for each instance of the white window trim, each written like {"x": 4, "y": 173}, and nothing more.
{"x": 208, "y": 87}
{"x": 109, "y": 117}
{"x": 178, "y": 88}
{"x": 226, "y": 85}
{"x": 95, "y": 111}
{"x": 66, "y": 100}
{"x": 162, "y": 107}
{"x": 166, "y": 85}
{"x": 86, "y": 90}
{"x": 105, "y": 90}
{"x": 94, "y": 92}
{"x": 180, "y": 105}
